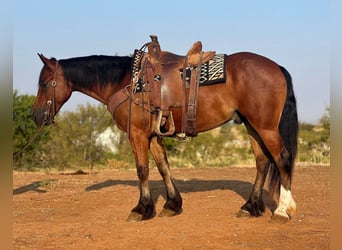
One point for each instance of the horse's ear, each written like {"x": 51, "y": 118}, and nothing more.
{"x": 43, "y": 58}
{"x": 48, "y": 62}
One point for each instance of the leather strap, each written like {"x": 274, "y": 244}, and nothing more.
{"x": 192, "y": 104}
{"x": 116, "y": 99}
{"x": 155, "y": 97}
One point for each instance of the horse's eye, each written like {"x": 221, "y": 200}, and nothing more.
{"x": 42, "y": 84}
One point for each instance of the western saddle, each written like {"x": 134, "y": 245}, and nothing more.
{"x": 160, "y": 73}
{"x": 155, "y": 67}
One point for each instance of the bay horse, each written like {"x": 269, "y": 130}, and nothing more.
{"x": 257, "y": 92}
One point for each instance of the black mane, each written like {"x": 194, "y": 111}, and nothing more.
{"x": 86, "y": 71}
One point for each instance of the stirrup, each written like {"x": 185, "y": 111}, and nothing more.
{"x": 171, "y": 130}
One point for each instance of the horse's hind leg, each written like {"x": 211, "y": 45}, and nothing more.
{"x": 255, "y": 205}
{"x": 173, "y": 203}
{"x": 282, "y": 158}
{"x": 145, "y": 208}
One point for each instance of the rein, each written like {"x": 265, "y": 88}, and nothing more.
{"x": 38, "y": 132}
{"x": 49, "y": 116}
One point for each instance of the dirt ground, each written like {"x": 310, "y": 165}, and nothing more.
{"x": 89, "y": 211}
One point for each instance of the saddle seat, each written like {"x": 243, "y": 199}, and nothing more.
{"x": 193, "y": 57}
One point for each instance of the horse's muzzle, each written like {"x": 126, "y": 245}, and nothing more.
{"x": 41, "y": 118}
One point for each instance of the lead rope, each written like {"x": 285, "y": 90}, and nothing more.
{"x": 38, "y": 132}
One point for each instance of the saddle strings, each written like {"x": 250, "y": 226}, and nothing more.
{"x": 133, "y": 90}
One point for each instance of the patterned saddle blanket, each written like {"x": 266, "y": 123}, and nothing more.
{"x": 212, "y": 72}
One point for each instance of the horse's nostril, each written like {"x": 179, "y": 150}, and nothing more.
{"x": 38, "y": 117}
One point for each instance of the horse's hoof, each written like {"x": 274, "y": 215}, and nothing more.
{"x": 291, "y": 211}
{"x": 243, "y": 213}
{"x": 276, "y": 218}
{"x": 134, "y": 217}
{"x": 168, "y": 213}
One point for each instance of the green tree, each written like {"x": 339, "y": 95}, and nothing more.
{"x": 74, "y": 141}
{"x": 28, "y": 149}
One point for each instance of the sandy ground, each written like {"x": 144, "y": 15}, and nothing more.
{"x": 89, "y": 211}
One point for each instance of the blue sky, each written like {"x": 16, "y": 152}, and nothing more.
{"x": 295, "y": 34}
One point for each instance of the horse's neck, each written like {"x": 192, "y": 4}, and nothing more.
{"x": 99, "y": 93}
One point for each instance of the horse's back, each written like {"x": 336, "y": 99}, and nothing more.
{"x": 244, "y": 62}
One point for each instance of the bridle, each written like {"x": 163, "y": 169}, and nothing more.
{"x": 49, "y": 114}
{"x": 50, "y": 104}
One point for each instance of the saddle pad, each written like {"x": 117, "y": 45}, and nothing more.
{"x": 212, "y": 71}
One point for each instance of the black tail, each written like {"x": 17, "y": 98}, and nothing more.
{"x": 288, "y": 126}
{"x": 288, "y": 129}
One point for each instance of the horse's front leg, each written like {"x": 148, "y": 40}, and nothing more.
{"x": 145, "y": 208}
{"x": 173, "y": 203}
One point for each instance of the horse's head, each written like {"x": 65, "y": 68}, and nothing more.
{"x": 53, "y": 92}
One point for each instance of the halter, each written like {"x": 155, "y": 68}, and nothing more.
{"x": 50, "y": 104}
